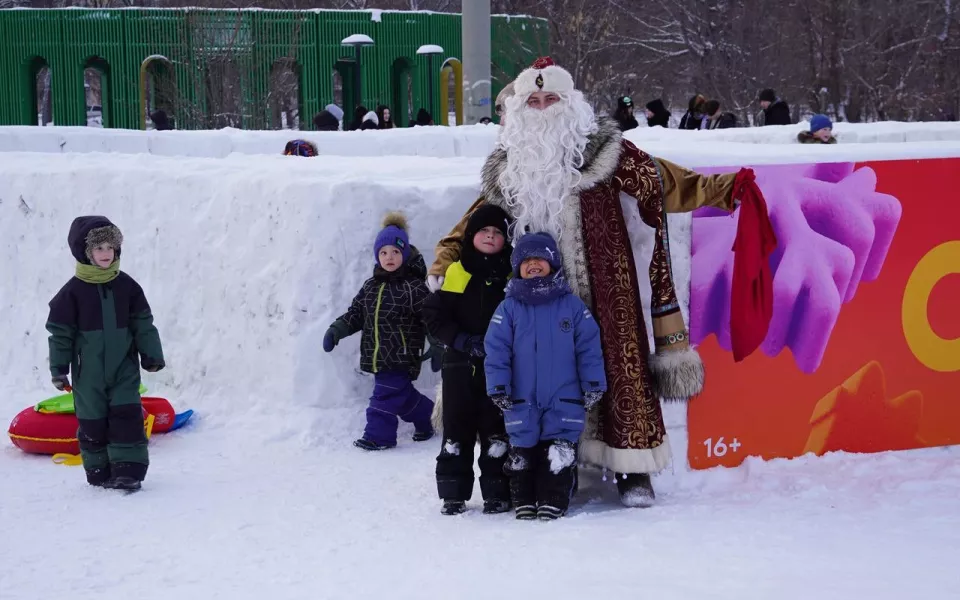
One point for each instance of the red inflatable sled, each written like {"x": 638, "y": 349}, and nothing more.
{"x": 39, "y": 431}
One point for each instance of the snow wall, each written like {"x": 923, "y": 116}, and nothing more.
{"x": 247, "y": 259}
{"x": 442, "y": 142}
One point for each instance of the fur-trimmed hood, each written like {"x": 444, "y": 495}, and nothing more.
{"x": 88, "y": 232}
{"x": 600, "y": 160}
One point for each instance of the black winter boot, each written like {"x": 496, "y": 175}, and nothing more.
{"x": 120, "y": 482}
{"x": 520, "y": 469}
{"x": 636, "y": 490}
{"x": 495, "y": 507}
{"x": 365, "y": 444}
{"x": 422, "y": 436}
{"x": 98, "y": 477}
{"x": 453, "y": 507}
{"x": 555, "y": 477}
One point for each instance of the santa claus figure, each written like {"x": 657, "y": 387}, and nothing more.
{"x": 561, "y": 169}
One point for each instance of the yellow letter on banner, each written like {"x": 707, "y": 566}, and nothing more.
{"x": 933, "y": 351}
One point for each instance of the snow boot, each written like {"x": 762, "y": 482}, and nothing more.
{"x": 128, "y": 484}
{"x": 422, "y": 436}
{"x": 495, "y": 507}
{"x": 636, "y": 490}
{"x": 549, "y": 513}
{"x": 527, "y": 512}
{"x": 98, "y": 477}
{"x": 519, "y": 469}
{"x": 555, "y": 477}
{"x": 365, "y": 444}
{"x": 453, "y": 507}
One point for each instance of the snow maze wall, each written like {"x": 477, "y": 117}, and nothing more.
{"x": 247, "y": 259}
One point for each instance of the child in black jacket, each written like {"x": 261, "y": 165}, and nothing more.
{"x": 387, "y": 310}
{"x": 458, "y": 315}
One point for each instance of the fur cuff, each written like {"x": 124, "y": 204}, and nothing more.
{"x": 677, "y": 375}
{"x": 436, "y": 419}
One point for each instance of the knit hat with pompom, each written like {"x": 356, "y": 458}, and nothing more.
{"x": 394, "y": 233}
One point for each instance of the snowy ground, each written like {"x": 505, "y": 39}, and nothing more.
{"x": 245, "y": 260}
{"x": 219, "y": 519}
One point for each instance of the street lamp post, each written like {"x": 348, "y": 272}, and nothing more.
{"x": 357, "y": 40}
{"x": 430, "y": 50}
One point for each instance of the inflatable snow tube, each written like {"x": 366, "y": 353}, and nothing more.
{"x": 37, "y": 432}
{"x": 45, "y": 433}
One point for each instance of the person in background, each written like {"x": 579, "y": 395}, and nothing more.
{"x": 775, "y": 110}
{"x": 334, "y": 110}
{"x": 423, "y": 118}
{"x": 821, "y": 131}
{"x": 500, "y": 106}
{"x": 300, "y": 148}
{"x": 370, "y": 121}
{"x": 161, "y": 122}
{"x": 486, "y": 121}
{"x": 326, "y": 121}
{"x": 624, "y": 114}
{"x": 694, "y": 115}
{"x": 384, "y": 117}
{"x": 657, "y": 114}
{"x": 715, "y": 118}
{"x": 358, "y": 115}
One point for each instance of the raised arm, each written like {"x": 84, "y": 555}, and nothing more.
{"x": 681, "y": 189}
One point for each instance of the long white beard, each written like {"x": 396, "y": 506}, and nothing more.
{"x": 544, "y": 155}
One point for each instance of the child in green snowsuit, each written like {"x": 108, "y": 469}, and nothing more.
{"x": 99, "y": 323}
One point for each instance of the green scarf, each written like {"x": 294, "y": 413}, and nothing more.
{"x": 94, "y": 274}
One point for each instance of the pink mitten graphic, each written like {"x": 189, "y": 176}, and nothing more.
{"x": 833, "y": 230}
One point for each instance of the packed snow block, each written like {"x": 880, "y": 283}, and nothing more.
{"x": 200, "y": 144}
{"x": 475, "y": 141}
{"x": 245, "y": 261}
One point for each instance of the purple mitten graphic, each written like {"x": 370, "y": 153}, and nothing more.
{"x": 833, "y": 229}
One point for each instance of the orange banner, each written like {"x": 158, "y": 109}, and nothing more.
{"x": 863, "y": 354}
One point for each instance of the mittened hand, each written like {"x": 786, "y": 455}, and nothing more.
{"x": 331, "y": 339}
{"x": 435, "y": 356}
{"x": 434, "y": 282}
{"x": 153, "y": 367}
{"x": 502, "y": 401}
{"x": 474, "y": 346}
{"x": 61, "y": 383}
{"x": 592, "y": 398}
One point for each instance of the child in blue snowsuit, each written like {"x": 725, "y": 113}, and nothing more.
{"x": 388, "y": 312}
{"x": 544, "y": 369}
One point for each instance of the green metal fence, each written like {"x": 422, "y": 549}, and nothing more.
{"x": 212, "y": 68}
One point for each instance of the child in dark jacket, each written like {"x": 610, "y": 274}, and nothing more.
{"x": 821, "y": 131}
{"x": 99, "y": 324}
{"x": 387, "y": 309}
{"x": 544, "y": 370}
{"x": 458, "y": 316}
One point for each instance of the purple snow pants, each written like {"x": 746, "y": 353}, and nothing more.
{"x": 394, "y": 396}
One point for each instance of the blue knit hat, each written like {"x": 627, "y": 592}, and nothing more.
{"x": 394, "y": 233}
{"x": 819, "y": 122}
{"x": 538, "y": 245}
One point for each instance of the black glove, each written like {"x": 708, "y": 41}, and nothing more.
{"x": 61, "y": 383}
{"x": 435, "y": 356}
{"x": 591, "y": 398}
{"x": 152, "y": 366}
{"x": 470, "y": 344}
{"x": 336, "y": 332}
{"x": 502, "y": 401}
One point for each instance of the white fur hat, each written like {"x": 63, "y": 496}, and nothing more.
{"x": 543, "y": 76}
